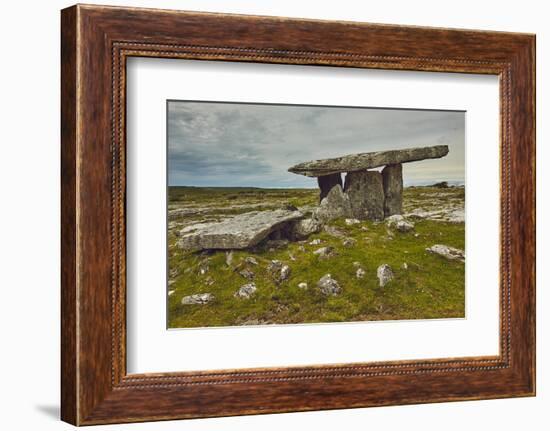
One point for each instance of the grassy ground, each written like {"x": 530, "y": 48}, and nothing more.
{"x": 430, "y": 286}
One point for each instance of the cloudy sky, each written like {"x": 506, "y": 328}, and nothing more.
{"x": 229, "y": 144}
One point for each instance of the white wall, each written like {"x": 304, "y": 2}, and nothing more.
{"x": 29, "y": 219}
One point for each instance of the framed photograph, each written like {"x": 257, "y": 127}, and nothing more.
{"x": 263, "y": 214}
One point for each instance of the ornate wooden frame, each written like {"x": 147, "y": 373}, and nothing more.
{"x": 95, "y": 42}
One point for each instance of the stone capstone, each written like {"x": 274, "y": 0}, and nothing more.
{"x": 366, "y": 194}
{"x": 363, "y": 161}
{"x": 238, "y": 232}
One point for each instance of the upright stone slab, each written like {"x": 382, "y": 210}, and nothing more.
{"x": 392, "y": 178}
{"x": 327, "y": 182}
{"x": 366, "y": 194}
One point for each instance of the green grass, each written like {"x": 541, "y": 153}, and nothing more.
{"x": 431, "y": 287}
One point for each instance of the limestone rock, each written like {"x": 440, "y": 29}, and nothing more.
{"x": 329, "y": 286}
{"x": 246, "y": 291}
{"x": 305, "y": 227}
{"x": 285, "y": 273}
{"x": 384, "y": 274}
{"x": 327, "y": 182}
{"x": 363, "y": 161}
{"x": 246, "y": 273}
{"x": 392, "y": 179}
{"x": 360, "y": 273}
{"x": 352, "y": 221}
{"x": 335, "y": 205}
{"x": 302, "y": 285}
{"x": 251, "y": 260}
{"x": 325, "y": 252}
{"x": 198, "y": 298}
{"x": 349, "y": 242}
{"x": 447, "y": 252}
{"x": 399, "y": 222}
{"x": 315, "y": 241}
{"x": 366, "y": 194}
{"x": 278, "y": 271}
{"x": 238, "y": 232}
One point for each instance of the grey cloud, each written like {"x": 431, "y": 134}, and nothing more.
{"x": 227, "y": 144}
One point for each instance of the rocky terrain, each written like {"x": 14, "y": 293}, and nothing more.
{"x": 283, "y": 266}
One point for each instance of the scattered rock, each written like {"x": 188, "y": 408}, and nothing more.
{"x": 399, "y": 222}
{"x": 246, "y": 291}
{"x": 316, "y": 241}
{"x": 251, "y": 260}
{"x": 198, "y": 298}
{"x": 352, "y": 221}
{"x": 291, "y": 257}
{"x": 356, "y": 264}
{"x": 302, "y": 285}
{"x": 329, "y": 286}
{"x": 334, "y": 231}
{"x": 384, "y": 274}
{"x": 447, "y": 252}
{"x": 229, "y": 257}
{"x": 364, "y": 228}
{"x": 237, "y": 232}
{"x": 335, "y": 205}
{"x": 171, "y": 292}
{"x": 246, "y": 273}
{"x": 285, "y": 273}
{"x": 349, "y": 242}
{"x": 278, "y": 271}
{"x": 203, "y": 267}
{"x": 405, "y": 266}
{"x": 208, "y": 281}
{"x": 360, "y": 273}
{"x": 325, "y": 252}
{"x": 305, "y": 227}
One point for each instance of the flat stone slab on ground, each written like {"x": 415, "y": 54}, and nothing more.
{"x": 238, "y": 232}
{"x": 362, "y": 161}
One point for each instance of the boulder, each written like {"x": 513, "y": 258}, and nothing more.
{"x": 335, "y": 205}
{"x": 238, "y": 232}
{"x": 364, "y": 161}
{"x": 329, "y": 286}
{"x": 384, "y": 274}
{"x": 392, "y": 179}
{"x": 447, "y": 252}
{"x": 246, "y": 291}
{"x": 327, "y": 182}
{"x": 366, "y": 194}
{"x": 198, "y": 298}
{"x": 398, "y": 222}
{"x": 305, "y": 227}
{"x": 324, "y": 252}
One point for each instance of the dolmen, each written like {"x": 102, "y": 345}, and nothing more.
{"x": 366, "y": 194}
